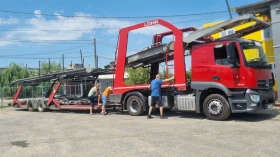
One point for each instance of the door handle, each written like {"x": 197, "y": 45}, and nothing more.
{"x": 216, "y": 77}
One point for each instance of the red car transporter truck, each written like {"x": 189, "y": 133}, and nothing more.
{"x": 224, "y": 80}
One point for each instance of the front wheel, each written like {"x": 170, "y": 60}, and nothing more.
{"x": 216, "y": 107}
{"x": 134, "y": 106}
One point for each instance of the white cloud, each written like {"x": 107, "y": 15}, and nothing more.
{"x": 35, "y": 28}
{"x": 9, "y": 21}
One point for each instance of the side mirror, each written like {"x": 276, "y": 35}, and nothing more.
{"x": 231, "y": 54}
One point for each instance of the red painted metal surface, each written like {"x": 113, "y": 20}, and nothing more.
{"x": 84, "y": 106}
{"x": 51, "y": 97}
{"x": 180, "y": 78}
{"x": 204, "y": 68}
{"x": 15, "y": 99}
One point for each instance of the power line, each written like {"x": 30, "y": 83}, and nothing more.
{"x": 53, "y": 57}
{"x": 49, "y": 51}
{"x": 82, "y": 30}
{"x": 122, "y": 17}
{"x": 101, "y": 43}
{"x": 30, "y": 41}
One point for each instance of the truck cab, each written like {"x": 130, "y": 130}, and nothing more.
{"x": 227, "y": 68}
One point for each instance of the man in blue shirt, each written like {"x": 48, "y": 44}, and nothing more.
{"x": 155, "y": 86}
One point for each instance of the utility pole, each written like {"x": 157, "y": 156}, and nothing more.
{"x": 63, "y": 62}
{"x": 96, "y": 61}
{"x": 49, "y": 65}
{"x": 39, "y": 67}
{"x": 229, "y": 9}
{"x": 81, "y": 56}
{"x": 94, "y": 46}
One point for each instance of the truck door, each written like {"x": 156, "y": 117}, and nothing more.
{"x": 223, "y": 72}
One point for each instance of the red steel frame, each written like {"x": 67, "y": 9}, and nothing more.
{"x": 51, "y": 97}
{"x": 55, "y": 101}
{"x": 15, "y": 99}
{"x": 157, "y": 38}
{"x": 119, "y": 87}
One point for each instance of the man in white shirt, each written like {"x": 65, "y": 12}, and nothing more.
{"x": 92, "y": 95}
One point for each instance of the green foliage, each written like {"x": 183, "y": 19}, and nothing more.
{"x": 163, "y": 74}
{"x": 137, "y": 76}
{"x": 14, "y": 72}
{"x": 189, "y": 75}
{"x": 53, "y": 67}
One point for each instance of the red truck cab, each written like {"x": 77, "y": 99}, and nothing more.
{"x": 223, "y": 67}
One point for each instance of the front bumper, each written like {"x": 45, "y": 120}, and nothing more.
{"x": 241, "y": 104}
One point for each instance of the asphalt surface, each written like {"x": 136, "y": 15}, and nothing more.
{"x": 76, "y": 133}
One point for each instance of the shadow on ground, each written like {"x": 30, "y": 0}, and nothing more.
{"x": 246, "y": 117}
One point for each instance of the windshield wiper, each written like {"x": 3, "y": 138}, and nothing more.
{"x": 257, "y": 60}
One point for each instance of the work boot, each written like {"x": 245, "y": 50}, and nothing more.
{"x": 149, "y": 117}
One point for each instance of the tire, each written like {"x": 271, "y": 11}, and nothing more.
{"x": 41, "y": 106}
{"x": 30, "y": 106}
{"x": 16, "y": 106}
{"x": 216, "y": 107}
{"x": 134, "y": 106}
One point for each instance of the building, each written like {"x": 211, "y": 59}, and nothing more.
{"x": 267, "y": 10}
{"x": 270, "y": 9}
{"x": 107, "y": 80}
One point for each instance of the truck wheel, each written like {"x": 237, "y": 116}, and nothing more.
{"x": 134, "y": 106}
{"x": 16, "y": 106}
{"x": 30, "y": 106}
{"x": 40, "y": 106}
{"x": 216, "y": 107}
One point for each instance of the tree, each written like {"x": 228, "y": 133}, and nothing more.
{"x": 13, "y": 72}
{"x": 164, "y": 74}
{"x": 189, "y": 75}
{"x": 54, "y": 67}
{"x": 137, "y": 76}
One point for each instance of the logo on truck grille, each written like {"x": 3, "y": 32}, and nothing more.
{"x": 266, "y": 84}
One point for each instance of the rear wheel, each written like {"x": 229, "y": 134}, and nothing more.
{"x": 16, "y": 105}
{"x": 134, "y": 106}
{"x": 30, "y": 106}
{"x": 216, "y": 107}
{"x": 41, "y": 106}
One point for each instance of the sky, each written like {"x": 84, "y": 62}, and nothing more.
{"x": 33, "y": 31}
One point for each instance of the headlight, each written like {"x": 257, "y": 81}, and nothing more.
{"x": 255, "y": 98}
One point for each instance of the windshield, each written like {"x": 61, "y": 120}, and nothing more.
{"x": 254, "y": 53}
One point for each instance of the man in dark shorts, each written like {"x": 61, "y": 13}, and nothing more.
{"x": 155, "y": 86}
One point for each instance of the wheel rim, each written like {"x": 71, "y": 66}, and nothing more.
{"x": 215, "y": 107}
{"x": 134, "y": 106}
{"x": 30, "y": 106}
{"x": 40, "y": 106}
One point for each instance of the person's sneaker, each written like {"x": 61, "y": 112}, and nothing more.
{"x": 149, "y": 117}
{"x": 163, "y": 117}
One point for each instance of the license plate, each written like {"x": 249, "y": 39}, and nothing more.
{"x": 269, "y": 106}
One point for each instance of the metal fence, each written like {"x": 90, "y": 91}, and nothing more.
{"x": 7, "y": 93}
{"x": 40, "y": 91}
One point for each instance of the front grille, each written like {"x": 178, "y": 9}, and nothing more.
{"x": 265, "y": 84}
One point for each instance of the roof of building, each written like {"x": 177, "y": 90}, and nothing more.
{"x": 261, "y": 7}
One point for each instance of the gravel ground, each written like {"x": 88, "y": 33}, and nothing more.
{"x": 76, "y": 133}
